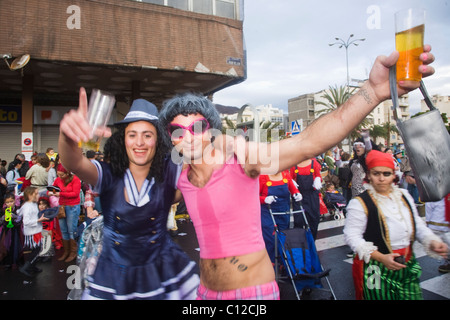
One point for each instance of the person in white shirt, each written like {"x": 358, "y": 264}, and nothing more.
{"x": 437, "y": 215}
{"x": 32, "y": 228}
{"x": 382, "y": 224}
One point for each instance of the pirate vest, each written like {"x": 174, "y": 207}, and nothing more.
{"x": 376, "y": 229}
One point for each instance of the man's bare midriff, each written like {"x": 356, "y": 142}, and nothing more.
{"x": 231, "y": 273}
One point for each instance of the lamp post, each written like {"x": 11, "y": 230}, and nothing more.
{"x": 346, "y": 44}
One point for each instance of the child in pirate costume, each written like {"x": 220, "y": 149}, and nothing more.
{"x": 382, "y": 224}
{"x": 138, "y": 259}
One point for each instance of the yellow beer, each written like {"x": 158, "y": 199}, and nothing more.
{"x": 409, "y": 44}
{"x": 89, "y": 145}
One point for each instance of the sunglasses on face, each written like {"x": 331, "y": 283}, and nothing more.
{"x": 198, "y": 127}
{"x": 384, "y": 173}
{"x": 359, "y": 144}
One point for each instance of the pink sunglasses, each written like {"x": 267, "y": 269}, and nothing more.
{"x": 177, "y": 131}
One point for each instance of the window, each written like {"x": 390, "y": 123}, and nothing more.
{"x": 161, "y": 2}
{"x": 203, "y": 6}
{"x": 225, "y": 8}
{"x": 179, "y": 4}
{"x": 232, "y": 9}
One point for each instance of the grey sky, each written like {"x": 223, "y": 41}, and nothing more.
{"x": 288, "y": 52}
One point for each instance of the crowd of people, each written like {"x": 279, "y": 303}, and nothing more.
{"x": 154, "y": 159}
{"x": 27, "y": 190}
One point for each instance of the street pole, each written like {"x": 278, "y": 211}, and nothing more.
{"x": 346, "y": 44}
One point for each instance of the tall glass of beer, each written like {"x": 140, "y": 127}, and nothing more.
{"x": 101, "y": 105}
{"x": 409, "y": 34}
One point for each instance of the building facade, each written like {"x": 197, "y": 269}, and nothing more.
{"x": 307, "y": 108}
{"x": 440, "y": 102}
{"x": 135, "y": 49}
{"x": 266, "y": 113}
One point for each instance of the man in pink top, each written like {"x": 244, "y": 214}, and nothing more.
{"x": 219, "y": 180}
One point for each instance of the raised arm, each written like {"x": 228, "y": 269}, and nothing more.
{"x": 74, "y": 128}
{"x": 332, "y": 128}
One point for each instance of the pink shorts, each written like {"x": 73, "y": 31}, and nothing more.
{"x": 267, "y": 291}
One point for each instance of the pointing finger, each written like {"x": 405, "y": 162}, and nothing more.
{"x": 83, "y": 104}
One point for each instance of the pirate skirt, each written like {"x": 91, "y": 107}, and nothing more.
{"x": 32, "y": 241}
{"x": 373, "y": 281}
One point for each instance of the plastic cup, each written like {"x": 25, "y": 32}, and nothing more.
{"x": 101, "y": 105}
{"x": 409, "y": 34}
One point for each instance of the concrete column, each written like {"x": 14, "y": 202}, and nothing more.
{"x": 27, "y": 103}
{"x": 135, "y": 90}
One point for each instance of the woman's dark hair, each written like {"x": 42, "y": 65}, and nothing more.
{"x": 116, "y": 154}
{"x": 15, "y": 162}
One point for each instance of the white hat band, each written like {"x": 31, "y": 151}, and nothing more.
{"x": 140, "y": 114}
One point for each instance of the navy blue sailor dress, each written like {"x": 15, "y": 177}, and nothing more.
{"x": 138, "y": 258}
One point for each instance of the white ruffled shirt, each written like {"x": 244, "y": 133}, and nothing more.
{"x": 398, "y": 222}
{"x": 30, "y": 215}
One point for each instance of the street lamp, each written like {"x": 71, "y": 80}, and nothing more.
{"x": 346, "y": 44}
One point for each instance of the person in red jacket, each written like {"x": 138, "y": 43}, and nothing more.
{"x": 69, "y": 197}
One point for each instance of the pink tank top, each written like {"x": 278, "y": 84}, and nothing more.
{"x": 226, "y": 212}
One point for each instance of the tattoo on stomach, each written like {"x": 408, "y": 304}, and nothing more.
{"x": 240, "y": 266}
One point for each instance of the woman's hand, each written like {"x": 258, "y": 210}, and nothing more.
{"x": 388, "y": 260}
{"x": 391, "y": 264}
{"x": 440, "y": 248}
{"x": 75, "y": 126}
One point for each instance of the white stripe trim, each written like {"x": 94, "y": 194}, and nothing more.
{"x": 190, "y": 284}
{"x": 140, "y": 114}
{"x": 97, "y": 186}
{"x": 184, "y": 272}
{"x": 135, "y": 197}
{"x": 101, "y": 288}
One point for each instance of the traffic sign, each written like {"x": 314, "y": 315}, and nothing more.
{"x": 296, "y": 126}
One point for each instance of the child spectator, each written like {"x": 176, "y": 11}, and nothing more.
{"x": 32, "y": 228}
{"x": 10, "y": 233}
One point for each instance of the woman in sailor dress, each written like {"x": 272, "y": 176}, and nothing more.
{"x": 137, "y": 259}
